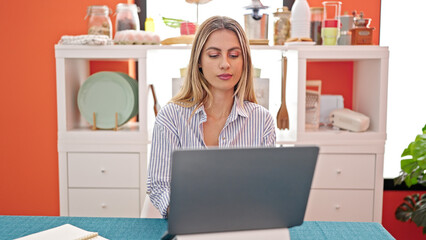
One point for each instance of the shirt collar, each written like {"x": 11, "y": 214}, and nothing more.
{"x": 237, "y": 109}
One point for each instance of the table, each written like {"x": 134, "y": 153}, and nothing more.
{"x": 141, "y": 228}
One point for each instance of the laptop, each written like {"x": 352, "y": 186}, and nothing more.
{"x": 235, "y": 189}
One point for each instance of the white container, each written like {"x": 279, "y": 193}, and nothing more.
{"x": 300, "y": 20}
{"x": 347, "y": 119}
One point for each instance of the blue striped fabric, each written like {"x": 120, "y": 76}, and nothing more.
{"x": 247, "y": 125}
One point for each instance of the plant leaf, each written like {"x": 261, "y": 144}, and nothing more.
{"x": 407, "y": 151}
{"x": 400, "y": 179}
{"x": 419, "y": 215}
{"x": 424, "y": 129}
{"x": 408, "y": 165}
{"x": 405, "y": 210}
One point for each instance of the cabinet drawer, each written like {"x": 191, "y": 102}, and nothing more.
{"x": 104, "y": 202}
{"x": 112, "y": 170}
{"x": 354, "y": 171}
{"x": 340, "y": 205}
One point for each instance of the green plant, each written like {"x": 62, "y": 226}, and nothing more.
{"x": 413, "y": 171}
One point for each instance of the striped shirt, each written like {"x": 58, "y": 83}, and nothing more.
{"x": 247, "y": 125}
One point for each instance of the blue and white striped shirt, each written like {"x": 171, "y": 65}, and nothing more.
{"x": 247, "y": 125}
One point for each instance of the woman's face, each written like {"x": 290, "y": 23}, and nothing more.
{"x": 222, "y": 61}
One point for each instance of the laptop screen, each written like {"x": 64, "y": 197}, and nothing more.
{"x": 216, "y": 190}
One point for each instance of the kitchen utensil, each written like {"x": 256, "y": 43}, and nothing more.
{"x": 347, "y": 22}
{"x": 312, "y": 104}
{"x": 157, "y": 106}
{"x": 283, "y": 122}
{"x": 256, "y": 24}
{"x": 184, "y": 39}
{"x": 330, "y": 31}
{"x": 198, "y": 2}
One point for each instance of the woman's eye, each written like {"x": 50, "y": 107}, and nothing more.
{"x": 213, "y": 55}
{"x": 234, "y": 55}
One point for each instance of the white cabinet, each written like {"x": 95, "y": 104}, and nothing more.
{"x": 103, "y": 173}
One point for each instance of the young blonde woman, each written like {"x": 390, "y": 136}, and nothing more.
{"x": 215, "y": 107}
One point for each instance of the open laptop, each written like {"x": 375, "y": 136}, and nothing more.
{"x": 217, "y": 190}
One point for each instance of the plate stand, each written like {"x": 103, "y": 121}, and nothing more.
{"x": 94, "y": 122}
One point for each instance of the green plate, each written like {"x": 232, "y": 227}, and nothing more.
{"x": 107, "y": 93}
{"x": 135, "y": 88}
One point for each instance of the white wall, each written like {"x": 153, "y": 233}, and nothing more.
{"x": 403, "y": 30}
{"x": 186, "y": 11}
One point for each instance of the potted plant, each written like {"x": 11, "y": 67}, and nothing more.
{"x": 413, "y": 171}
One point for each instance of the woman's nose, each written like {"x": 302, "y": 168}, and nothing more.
{"x": 224, "y": 64}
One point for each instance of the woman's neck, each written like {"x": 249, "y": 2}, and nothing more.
{"x": 221, "y": 106}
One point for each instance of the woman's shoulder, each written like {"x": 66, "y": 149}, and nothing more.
{"x": 173, "y": 110}
{"x": 252, "y": 107}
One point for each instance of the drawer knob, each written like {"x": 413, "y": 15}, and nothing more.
{"x": 339, "y": 171}
{"x": 337, "y": 207}
{"x": 103, "y": 170}
{"x": 103, "y": 205}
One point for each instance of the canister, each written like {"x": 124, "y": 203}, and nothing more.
{"x": 99, "y": 21}
{"x": 127, "y": 17}
{"x": 281, "y": 25}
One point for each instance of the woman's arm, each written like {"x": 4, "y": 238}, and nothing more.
{"x": 269, "y": 136}
{"x": 164, "y": 141}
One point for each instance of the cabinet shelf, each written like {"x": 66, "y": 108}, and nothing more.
{"x": 158, "y": 65}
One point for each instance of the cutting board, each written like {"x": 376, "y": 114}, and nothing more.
{"x": 183, "y": 39}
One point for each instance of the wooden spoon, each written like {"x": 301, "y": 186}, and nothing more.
{"x": 157, "y": 106}
{"x": 282, "y": 116}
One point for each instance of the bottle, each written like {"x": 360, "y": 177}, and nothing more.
{"x": 99, "y": 21}
{"x": 149, "y": 25}
{"x": 127, "y": 17}
{"x": 316, "y": 19}
{"x": 300, "y": 19}
{"x": 281, "y": 25}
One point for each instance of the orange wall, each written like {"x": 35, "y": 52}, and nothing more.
{"x": 28, "y": 138}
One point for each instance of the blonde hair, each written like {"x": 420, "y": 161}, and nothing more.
{"x": 195, "y": 89}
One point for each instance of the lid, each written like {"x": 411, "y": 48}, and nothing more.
{"x": 317, "y": 9}
{"x": 98, "y": 10}
{"x": 125, "y": 6}
{"x": 282, "y": 11}
{"x": 331, "y": 23}
{"x": 256, "y": 4}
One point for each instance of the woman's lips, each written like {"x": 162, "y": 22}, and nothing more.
{"x": 225, "y": 76}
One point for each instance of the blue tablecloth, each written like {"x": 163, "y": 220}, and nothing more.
{"x": 139, "y": 228}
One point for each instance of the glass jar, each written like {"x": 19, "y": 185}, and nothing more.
{"x": 99, "y": 21}
{"x": 316, "y": 19}
{"x": 281, "y": 25}
{"x": 127, "y": 17}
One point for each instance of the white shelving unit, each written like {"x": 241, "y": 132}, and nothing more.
{"x": 348, "y": 182}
